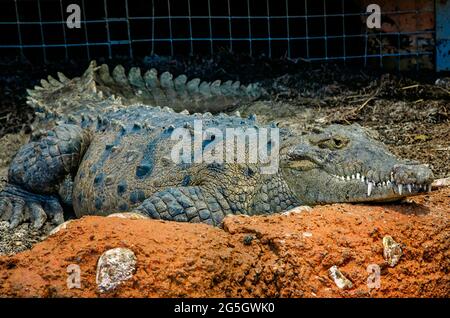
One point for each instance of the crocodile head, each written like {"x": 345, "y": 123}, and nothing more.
{"x": 347, "y": 164}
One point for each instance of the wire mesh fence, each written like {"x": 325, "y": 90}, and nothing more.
{"x": 314, "y": 30}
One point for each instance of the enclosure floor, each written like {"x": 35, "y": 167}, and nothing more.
{"x": 288, "y": 255}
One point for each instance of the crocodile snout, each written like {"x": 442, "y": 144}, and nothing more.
{"x": 412, "y": 174}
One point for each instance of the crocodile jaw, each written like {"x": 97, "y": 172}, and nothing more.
{"x": 318, "y": 186}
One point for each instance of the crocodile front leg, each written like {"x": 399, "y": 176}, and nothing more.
{"x": 188, "y": 204}
{"x": 36, "y": 173}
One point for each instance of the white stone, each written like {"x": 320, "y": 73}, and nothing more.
{"x": 339, "y": 279}
{"x": 392, "y": 251}
{"x": 114, "y": 267}
{"x": 129, "y": 215}
{"x": 60, "y": 227}
{"x": 440, "y": 183}
{"x": 298, "y": 209}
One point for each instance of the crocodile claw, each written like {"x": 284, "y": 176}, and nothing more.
{"x": 18, "y": 206}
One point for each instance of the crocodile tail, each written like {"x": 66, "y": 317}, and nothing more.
{"x": 63, "y": 99}
{"x": 177, "y": 93}
{"x": 64, "y": 95}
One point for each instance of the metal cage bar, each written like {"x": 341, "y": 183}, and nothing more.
{"x": 334, "y": 39}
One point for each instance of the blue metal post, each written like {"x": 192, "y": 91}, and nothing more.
{"x": 442, "y": 35}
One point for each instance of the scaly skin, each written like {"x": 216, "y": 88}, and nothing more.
{"x": 121, "y": 161}
{"x": 88, "y": 93}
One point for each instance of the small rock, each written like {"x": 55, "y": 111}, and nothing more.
{"x": 114, "y": 267}
{"x": 392, "y": 251}
{"x": 440, "y": 183}
{"x": 248, "y": 240}
{"x": 339, "y": 279}
{"x": 307, "y": 234}
{"x": 129, "y": 215}
{"x": 60, "y": 227}
{"x": 298, "y": 209}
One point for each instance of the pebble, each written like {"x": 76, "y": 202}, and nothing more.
{"x": 299, "y": 209}
{"x": 339, "y": 279}
{"x": 129, "y": 215}
{"x": 60, "y": 227}
{"x": 114, "y": 267}
{"x": 392, "y": 251}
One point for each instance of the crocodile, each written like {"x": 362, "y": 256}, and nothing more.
{"x": 116, "y": 154}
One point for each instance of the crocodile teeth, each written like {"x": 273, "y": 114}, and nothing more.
{"x": 348, "y": 178}
{"x": 400, "y": 189}
{"x": 369, "y": 188}
{"x": 358, "y": 176}
{"x": 353, "y": 176}
{"x": 429, "y": 188}
{"x": 409, "y": 188}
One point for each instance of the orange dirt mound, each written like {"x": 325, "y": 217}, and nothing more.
{"x": 264, "y": 256}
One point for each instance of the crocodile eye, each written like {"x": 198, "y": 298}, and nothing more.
{"x": 336, "y": 142}
{"x": 339, "y": 143}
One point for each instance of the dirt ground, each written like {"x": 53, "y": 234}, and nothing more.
{"x": 408, "y": 112}
{"x": 266, "y": 256}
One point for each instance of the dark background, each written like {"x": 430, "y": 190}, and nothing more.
{"x": 316, "y": 29}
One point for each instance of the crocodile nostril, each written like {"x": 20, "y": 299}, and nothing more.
{"x": 407, "y": 174}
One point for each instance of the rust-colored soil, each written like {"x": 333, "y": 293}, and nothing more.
{"x": 266, "y": 256}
